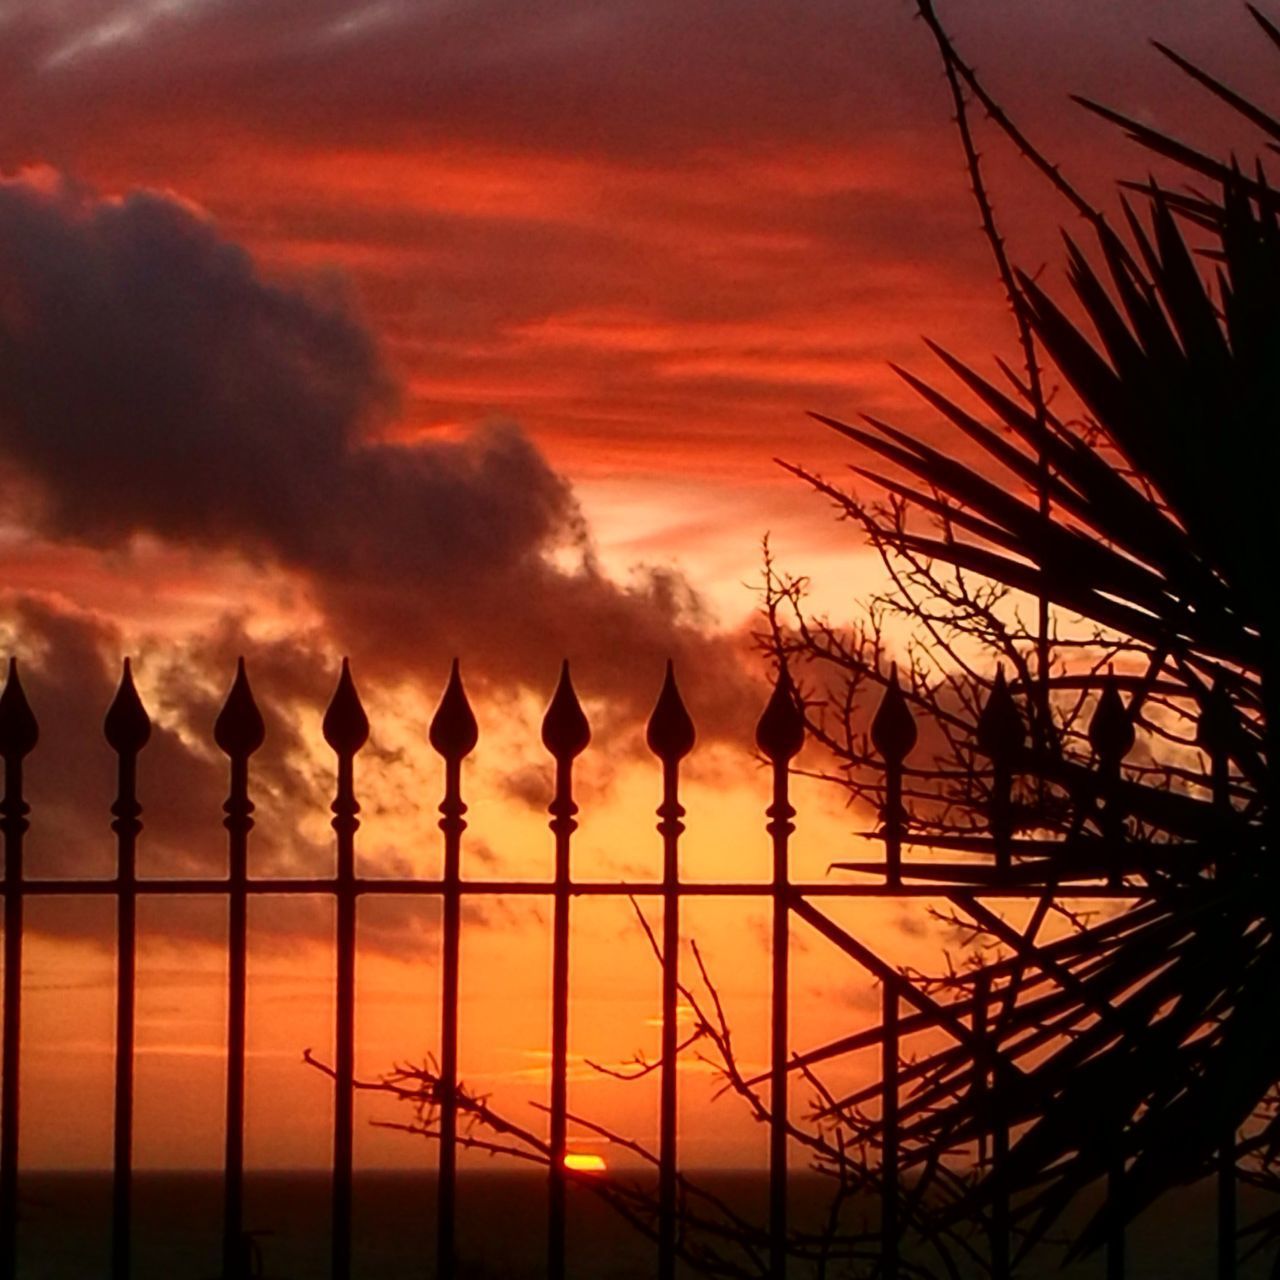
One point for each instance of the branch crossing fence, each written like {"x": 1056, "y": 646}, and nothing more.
{"x": 780, "y": 734}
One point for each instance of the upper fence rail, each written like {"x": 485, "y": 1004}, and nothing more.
{"x": 1014, "y": 868}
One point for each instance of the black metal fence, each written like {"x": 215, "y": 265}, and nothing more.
{"x": 239, "y": 732}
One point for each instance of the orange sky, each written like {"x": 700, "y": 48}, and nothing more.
{"x": 492, "y": 317}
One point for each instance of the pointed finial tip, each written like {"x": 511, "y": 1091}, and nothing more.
{"x": 127, "y": 726}
{"x": 780, "y": 730}
{"x": 1000, "y": 731}
{"x": 239, "y": 729}
{"x": 19, "y": 732}
{"x": 893, "y": 728}
{"x": 565, "y": 731}
{"x": 345, "y": 725}
{"x": 1111, "y": 732}
{"x": 453, "y": 732}
{"x": 670, "y": 734}
{"x": 1216, "y": 726}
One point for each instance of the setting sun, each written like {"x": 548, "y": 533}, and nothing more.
{"x": 584, "y": 1162}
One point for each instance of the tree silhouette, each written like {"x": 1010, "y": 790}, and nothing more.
{"x": 1132, "y": 515}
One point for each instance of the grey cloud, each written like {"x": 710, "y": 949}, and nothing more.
{"x": 69, "y": 671}
{"x": 153, "y": 380}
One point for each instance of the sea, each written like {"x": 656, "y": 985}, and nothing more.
{"x": 65, "y": 1217}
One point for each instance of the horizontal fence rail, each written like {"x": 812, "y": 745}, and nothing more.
{"x": 1014, "y": 870}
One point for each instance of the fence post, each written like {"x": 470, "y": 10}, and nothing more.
{"x": 990, "y": 1107}
{"x": 127, "y": 729}
{"x": 1214, "y": 733}
{"x": 893, "y": 734}
{"x": 18, "y": 736}
{"x": 890, "y": 1056}
{"x": 670, "y": 736}
{"x": 1111, "y": 736}
{"x": 238, "y": 733}
{"x": 780, "y": 735}
{"x": 565, "y": 733}
{"x": 1001, "y": 735}
{"x": 454, "y": 735}
{"x": 346, "y": 730}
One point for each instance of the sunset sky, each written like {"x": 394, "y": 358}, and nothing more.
{"x": 421, "y": 328}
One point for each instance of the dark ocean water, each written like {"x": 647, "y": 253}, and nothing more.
{"x": 65, "y": 1217}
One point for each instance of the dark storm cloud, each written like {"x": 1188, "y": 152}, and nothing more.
{"x": 152, "y": 381}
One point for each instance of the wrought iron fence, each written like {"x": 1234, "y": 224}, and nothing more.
{"x": 780, "y": 734}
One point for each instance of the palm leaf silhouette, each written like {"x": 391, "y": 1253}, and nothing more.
{"x": 1146, "y": 512}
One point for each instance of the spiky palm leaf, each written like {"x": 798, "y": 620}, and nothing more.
{"x": 1151, "y": 1035}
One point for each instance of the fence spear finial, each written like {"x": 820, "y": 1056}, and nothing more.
{"x": 670, "y": 733}
{"x": 239, "y": 730}
{"x": 893, "y": 729}
{"x": 1000, "y": 731}
{"x": 453, "y": 731}
{"x": 780, "y": 729}
{"x": 1217, "y": 723}
{"x": 127, "y": 726}
{"x": 565, "y": 731}
{"x": 1111, "y": 730}
{"x": 346, "y": 727}
{"x": 19, "y": 731}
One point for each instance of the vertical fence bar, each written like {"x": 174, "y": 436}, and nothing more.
{"x": 1227, "y": 1208}
{"x": 893, "y": 734}
{"x": 1001, "y": 736}
{"x": 346, "y": 730}
{"x": 127, "y": 729}
{"x": 981, "y": 1081}
{"x": 18, "y": 736}
{"x": 565, "y": 733}
{"x": 454, "y": 735}
{"x": 1000, "y": 1217}
{"x": 889, "y": 1122}
{"x": 780, "y": 736}
{"x": 992, "y": 1158}
{"x": 1214, "y": 732}
{"x": 239, "y": 732}
{"x": 1111, "y": 735}
{"x": 670, "y": 827}
{"x": 670, "y": 736}
{"x": 1115, "y": 1202}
